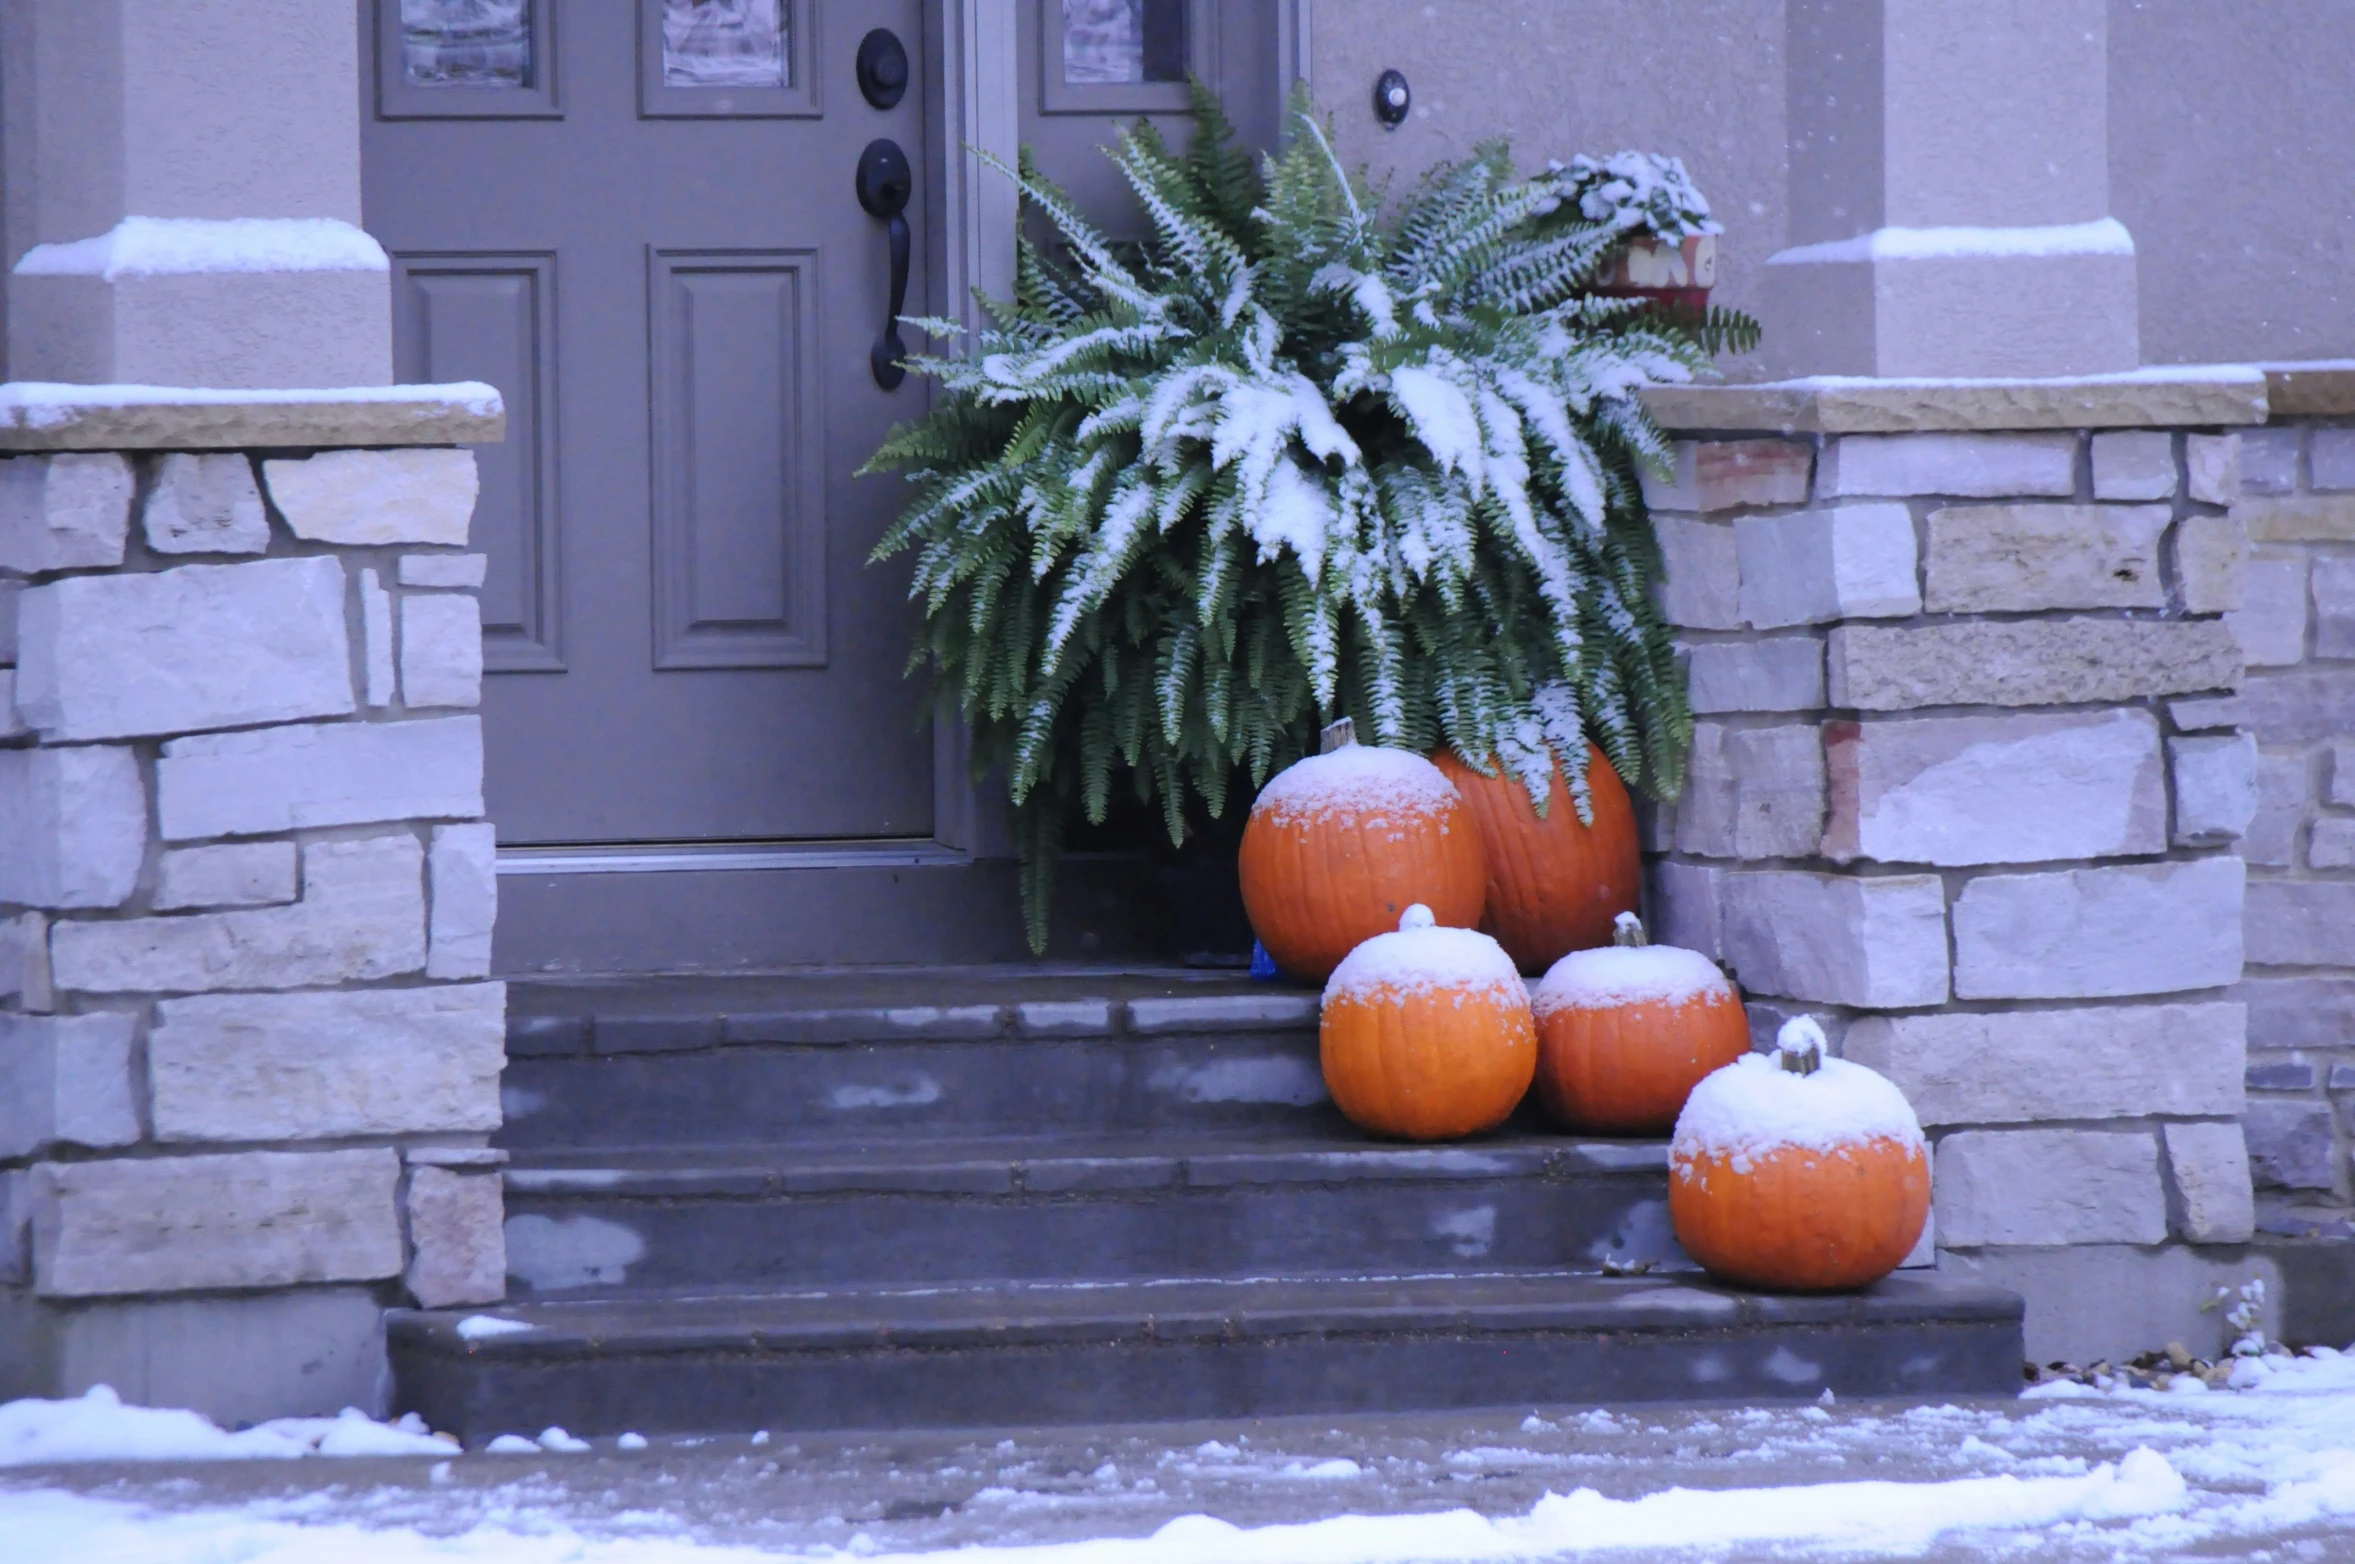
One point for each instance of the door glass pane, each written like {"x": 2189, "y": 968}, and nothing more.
{"x": 725, "y": 43}
{"x": 1116, "y": 41}
{"x": 466, "y": 43}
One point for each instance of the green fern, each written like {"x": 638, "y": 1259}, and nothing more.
{"x": 1295, "y": 459}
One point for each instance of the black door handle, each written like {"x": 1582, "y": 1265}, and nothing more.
{"x": 885, "y": 183}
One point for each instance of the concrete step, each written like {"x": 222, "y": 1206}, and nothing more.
{"x": 942, "y": 1052}
{"x": 1066, "y": 1209}
{"x": 1006, "y": 1354}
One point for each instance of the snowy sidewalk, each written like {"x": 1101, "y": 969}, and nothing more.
{"x": 2064, "y": 1474}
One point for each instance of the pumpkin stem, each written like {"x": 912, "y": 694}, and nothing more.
{"x": 1336, "y": 735}
{"x": 1417, "y": 916}
{"x": 1627, "y": 929}
{"x": 1801, "y": 1045}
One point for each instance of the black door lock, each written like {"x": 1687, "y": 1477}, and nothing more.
{"x": 883, "y": 68}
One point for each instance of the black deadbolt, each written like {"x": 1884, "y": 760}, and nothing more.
{"x": 1392, "y": 98}
{"x": 884, "y": 181}
{"x": 883, "y": 68}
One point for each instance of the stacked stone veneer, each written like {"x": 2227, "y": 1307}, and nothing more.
{"x": 249, "y": 1058}
{"x": 1966, "y": 786}
{"x": 2296, "y": 628}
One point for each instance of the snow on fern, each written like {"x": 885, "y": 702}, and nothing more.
{"x": 1296, "y": 457}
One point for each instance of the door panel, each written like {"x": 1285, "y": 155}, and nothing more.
{"x": 739, "y": 454}
{"x": 691, "y": 647}
{"x": 492, "y": 318}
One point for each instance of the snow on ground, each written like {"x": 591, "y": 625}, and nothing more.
{"x": 99, "y": 1427}
{"x": 2067, "y": 1472}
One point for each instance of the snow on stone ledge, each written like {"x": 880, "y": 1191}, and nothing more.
{"x": 2103, "y": 236}
{"x": 48, "y": 416}
{"x": 184, "y": 246}
{"x": 2157, "y": 396}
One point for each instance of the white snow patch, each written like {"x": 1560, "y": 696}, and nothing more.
{"x": 98, "y": 1426}
{"x": 475, "y": 1327}
{"x": 1360, "y": 779}
{"x": 512, "y": 1444}
{"x": 562, "y": 1443}
{"x": 1325, "y": 1471}
{"x": 1619, "y": 975}
{"x": 630, "y": 1441}
{"x": 1416, "y": 961}
{"x": 179, "y": 246}
{"x": 1754, "y": 1106}
{"x": 2103, "y": 236}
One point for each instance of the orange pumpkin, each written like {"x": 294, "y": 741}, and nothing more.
{"x": 1426, "y": 1032}
{"x": 1554, "y": 883}
{"x": 1625, "y": 1033}
{"x": 1341, "y": 844}
{"x": 1798, "y": 1173}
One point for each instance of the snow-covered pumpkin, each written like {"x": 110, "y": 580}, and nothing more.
{"x": 1796, "y": 1172}
{"x": 1626, "y": 1032}
{"x": 1339, "y": 845}
{"x": 1555, "y": 883}
{"x": 1426, "y": 1032}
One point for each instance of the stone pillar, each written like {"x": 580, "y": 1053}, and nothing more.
{"x": 2296, "y": 625}
{"x": 1949, "y": 193}
{"x": 249, "y": 1049}
{"x": 184, "y": 195}
{"x": 1966, "y": 786}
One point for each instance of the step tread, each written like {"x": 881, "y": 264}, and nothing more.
{"x": 929, "y": 1004}
{"x": 1062, "y": 1165}
{"x": 1197, "y": 1309}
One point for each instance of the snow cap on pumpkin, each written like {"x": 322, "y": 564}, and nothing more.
{"x": 1629, "y": 973}
{"x": 1757, "y": 1105}
{"x": 1422, "y": 957}
{"x": 1360, "y": 778}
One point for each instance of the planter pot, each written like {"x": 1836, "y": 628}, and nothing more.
{"x": 1676, "y": 274}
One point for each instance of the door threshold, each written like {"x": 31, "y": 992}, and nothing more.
{"x": 707, "y": 857}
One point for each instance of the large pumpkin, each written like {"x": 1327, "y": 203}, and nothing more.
{"x": 1798, "y": 1173}
{"x": 1341, "y": 844}
{"x": 1554, "y": 883}
{"x": 1426, "y": 1032}
{"x": 1625, "y": 1033}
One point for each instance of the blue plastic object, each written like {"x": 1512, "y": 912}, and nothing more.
{"x": 1263, "y": 965}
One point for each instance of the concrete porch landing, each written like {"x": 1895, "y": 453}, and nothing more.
{"x": 982, "y": 1197}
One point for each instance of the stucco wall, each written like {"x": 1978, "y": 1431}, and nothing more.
{"x": 2232, "y": 161}
{"x": 2231, "y": 139}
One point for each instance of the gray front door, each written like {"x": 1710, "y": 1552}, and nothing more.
{"x": 639, "y": 222}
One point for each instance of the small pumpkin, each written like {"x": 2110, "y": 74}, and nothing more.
{"x": 1426, "y": 1032}
{"x": 1798, "y": 1173}
{"x": 1555, "y": 883}
{"x": 1339, "y": 845}
{"x": 1625, "y": 1033}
